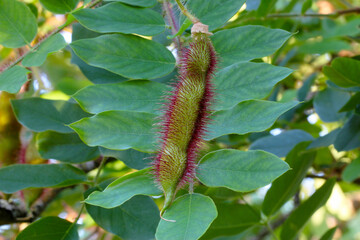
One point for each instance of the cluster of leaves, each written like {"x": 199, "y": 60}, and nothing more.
{"x": 96, "y": 100}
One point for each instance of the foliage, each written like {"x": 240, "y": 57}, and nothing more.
{"x": 78, "y": 120}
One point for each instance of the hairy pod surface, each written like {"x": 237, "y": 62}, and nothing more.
{"x": 185, "y": 118}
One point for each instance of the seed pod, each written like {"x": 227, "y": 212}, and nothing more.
{"x": 185, "y": 118}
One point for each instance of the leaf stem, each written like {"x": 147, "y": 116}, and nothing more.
{"x": 174, "y": 25}
{"x": 267, "y": 224}
{"x": 59, "y": 29}
{"x": 186, "y": 13}
{"x": 102, "y": 164}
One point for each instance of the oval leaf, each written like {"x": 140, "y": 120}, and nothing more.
{"x": 21, "y": 176}
{"x": 53, "y": 228}
{"x": 240, "y": 171}
{"x": 40, "y": 114}
{"x": 117, "y": 17}
{"x": 139, "y": 3}
{"x": 193, "y": 214}
{"x": 64, "y": 147}
{"x": 59, "y": 6}
{"x": 13, "y": 78}
{"x": 118, "y": 130}
{"x": 124, "y": 188}
{"x": 246, "y": 43}
{"x": 18, "y": 25}
{"x": 247, "y": 116}
{"x": 246, "y": 81}
{"x": 139, "y": 96}
{"x": 127, "y": 55}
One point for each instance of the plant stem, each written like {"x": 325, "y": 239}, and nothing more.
{"x": 271, "y": 230}
{"x": 174, "y": 25}
{"x": 330, "y": 15}
{"x": 59, "y": 29}
{"x": 184, "y": 11}
{"x": 102, "y": 164}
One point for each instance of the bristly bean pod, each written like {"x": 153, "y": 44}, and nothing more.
{"x": 186, "y": 116}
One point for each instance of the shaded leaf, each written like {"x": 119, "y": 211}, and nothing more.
{"x": 21, "y": 176}
{"x": 352, "y": 171}
{"x": 50, "y": 45}
{"x": 326, "y": 140}
{"x": 46, "y": 228}
{"x": 124, "y": 188}
{"x": 298, "y": 218}
{"x": 132, "y": 158}
{"x": 281, "y": 144}
{"x": 343, "y": 72}
{"x": 352, "y": 103}
{"x": 193, "y": 214}
{"x": 13, "y": 78}
{"x": 238, "y": 170}
{"x": 64, "y": 147}
{"x": 127, "y": 55}
{"x": 18, "y": 25}
{"x": 349, "y": 136}
{"x": 329, "y": 234}
{"x": 328, "y": 102}
{"x": 118, "y": 130}
{"x": 283, "y": 188}
{"x": 233, "y": 218}
{"x": 40, "y": 114}
{"x": 247, "y": 116}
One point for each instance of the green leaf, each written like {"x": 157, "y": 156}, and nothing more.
{"x": 283, "y": 188}
{"x": 281, "y": 144}
{"x": 13, "y": 78}
{"x": 329, "y": 234}
{"x": 238, "y": 170}
{"x": 326, "y": 140}
{"x": 328, "y": 102}
{"x": 135, "y": 219}
{"x": 324, "y": 46}
{"x": 64, "y": 147}
{"x": 246, "y": 81}
{"x": 302, "y": 214}
{"x": 139, "y": 3}
{"x": 50, "y": 45}
{"x": 124, "y": 188}
{"x": 255, "y": 42}
{"x": 233, "y": 218}
{"x": 127, "y": 55}
{"x": 118, "y": 17}
{"x": 349, "y": 136}
{"x": 247, "y": 116}
{"x": 40, "y": 114}
{"x": 306, "y": 5}
{"x": 139, "y": 95}
{"x": 118, "y": 130}
{"x": 59, "y": 6}
{"x": 352, "y": 103}
{"x": 352, "y": 171}
{"x": 214, "y": 13}
{"x": 132, "y": 159}
{"x": 343, "y": 72}
{"x": 46, "y": 228}
{"x": 192, "y": 213}
{"x": 94, "y": 74}
{"x": 18, "y": 25}
{"x": 265, "y": 7}
{"x": 21, "y": 176}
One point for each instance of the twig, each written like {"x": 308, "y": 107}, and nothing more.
{"x": 330, "y": 15}
{"x": 174, "y": 25}
{"x": 186, "y": 13}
